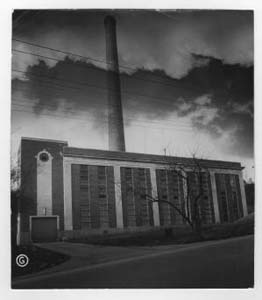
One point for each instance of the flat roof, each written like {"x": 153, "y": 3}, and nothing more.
{"x": 147, "y": 158}
{"x": 43, "y": 140}
{"x": 137, "y": 157}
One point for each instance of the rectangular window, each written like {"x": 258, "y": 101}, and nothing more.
{"x": 170, "y": 188}
{"x": 229, "y": 197}
{"x": 93, "y": 195}
{"x": 136, "y": 187}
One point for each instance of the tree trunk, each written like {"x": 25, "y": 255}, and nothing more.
{"x": 198, "y": 225}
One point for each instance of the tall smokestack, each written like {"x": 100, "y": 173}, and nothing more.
{"x": 115, "y": 115}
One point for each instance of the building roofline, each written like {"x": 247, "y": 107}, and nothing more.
{"x": 43, "y": 140}
{"x": 146, "y": 158}
{"x": 133, "y": 156}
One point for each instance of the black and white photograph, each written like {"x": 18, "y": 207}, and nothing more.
{"x": 132, "y": 149}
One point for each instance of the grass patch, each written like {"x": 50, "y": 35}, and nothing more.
{"x": 175, "y": 235}
{"x": 39, "y": 259}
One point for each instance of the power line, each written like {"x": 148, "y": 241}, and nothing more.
{"x": 58, "y": 60}
{"x": 28, "y": 103}
{"x": 77, "y": 92}
{"x": 97, "y": 60}
{"x": 74, "y": 82}
{"x": 101, "y": 120}
{"x": 63, "y": 52}
{"x": 75, "y": 88}
{"x": 99, "y": 105}
{"x": 18, "y": 22}
{"x": 84, "y": 120}
{"x": 92, "y": 67}
{"x": 91, "y": 85}
{"x": 48, "y": 81}
{"x": 126, "y": 119}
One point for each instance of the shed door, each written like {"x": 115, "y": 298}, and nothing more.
{"x": 44, "y": 229}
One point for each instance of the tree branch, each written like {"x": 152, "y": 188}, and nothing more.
{"x": 175, "y": 207}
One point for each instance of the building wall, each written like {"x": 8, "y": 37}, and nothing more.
{"x": 93, "y": 197}
{"x": 135, "y": 188}
{"x": 137, "y": 178}
{"x": 202, "y": 181}
{"x": 229, "y": 197}
{"x": 30, "y": 148}
{"x": 118, "y": 167}
{"x": 170, "y": 188}
{"x": 93, "y": 193}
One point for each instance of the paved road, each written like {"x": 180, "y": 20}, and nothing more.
{"x": 219, "y": 264}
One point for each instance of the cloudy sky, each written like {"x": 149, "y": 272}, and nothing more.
{"x": 186, "y": 80}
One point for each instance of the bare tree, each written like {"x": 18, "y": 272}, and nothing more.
{"x": 190, "y": 206}
{"x": 15, "y": 203}
{"x": 16, "y": 199}
{"x": 189, "y": 209}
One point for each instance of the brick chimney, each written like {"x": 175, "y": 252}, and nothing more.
{"x": 115, "y": 114}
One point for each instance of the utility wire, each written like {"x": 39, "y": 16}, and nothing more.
{"x": 44, "y": 106}
{"x": 61, "y": 91}
{"x": 63, "y": 86}
{"x": 79, "y": 83}
{"x": 84, "y": 120}
{"x": 90, "y": 85}
{"x": 93, "y": 66}
{"x": 126, "y": 119}
{"x": 49, "y": 80}
{"x": 18, "y": 23}
{"x": 78, "y": 92}
{"x": 137, "y": 123}
{"x": 163, "y": 77}
{"x": 48, "y": 106}
{"x": 65, "y": 52}
{"x": 98, "y": 105}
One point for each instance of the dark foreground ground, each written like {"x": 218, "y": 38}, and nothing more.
{"x": 49, "y": 256}
{"x": 216, "y": 264}
{"x": 40, "y": 259}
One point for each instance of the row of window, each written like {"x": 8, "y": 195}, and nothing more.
{"x": 229, "y": 197}
{"x": 95, "y": 199}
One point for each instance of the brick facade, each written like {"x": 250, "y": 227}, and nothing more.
{"x": 170, "y": 188}
{"x": 28, "y": 205}
{"x": 96, "y": 190}
{"x": 135, "y": 185}
{"x": 229, "y": 197}
{"x": 205, "y": 201}
{"x": 93, "y": 200}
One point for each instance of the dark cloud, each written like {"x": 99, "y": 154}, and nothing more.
{"x": 215, "y": 96}
{"x": 193, "y": 64}
{"x": 149, "y": 39}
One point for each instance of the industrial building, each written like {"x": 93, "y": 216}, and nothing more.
{"x": 69, "y": 191}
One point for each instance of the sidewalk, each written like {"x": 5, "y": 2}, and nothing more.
{"x": 106, "y": 259}
{"x": 86, "y": 255}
